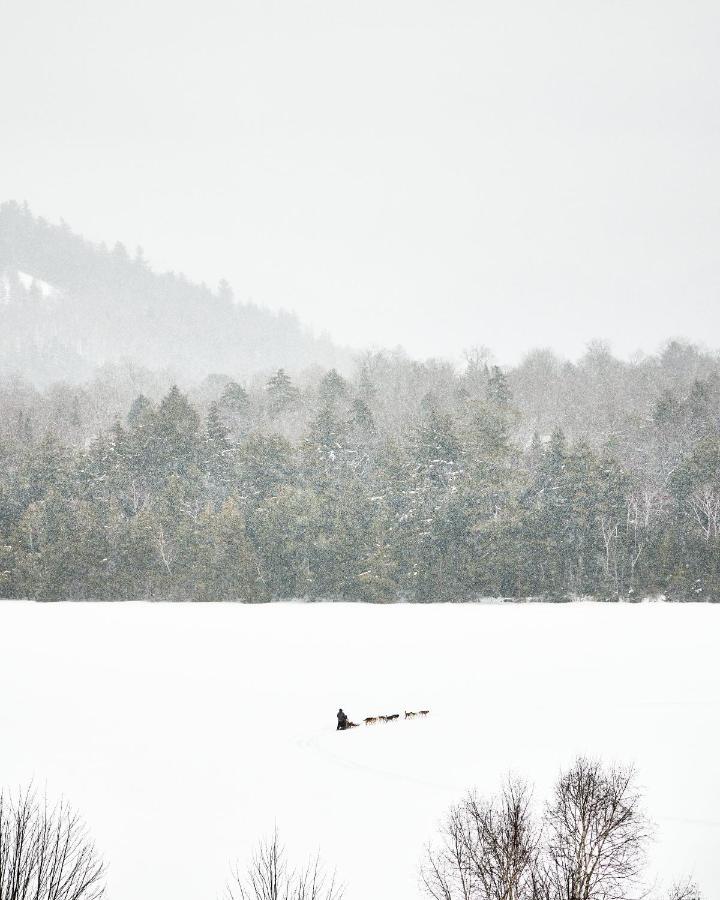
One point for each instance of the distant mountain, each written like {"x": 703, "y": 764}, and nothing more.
{"x": 68, "y": 305}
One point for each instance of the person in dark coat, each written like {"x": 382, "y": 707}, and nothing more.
{"x": 342, "y": 720}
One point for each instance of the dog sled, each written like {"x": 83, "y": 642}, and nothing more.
{"x": 344, "y": 723}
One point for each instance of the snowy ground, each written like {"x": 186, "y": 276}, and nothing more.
{"x": 184, "y": 732}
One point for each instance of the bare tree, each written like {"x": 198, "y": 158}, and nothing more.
{"x": 487, "y": 851}
{"x": 685, "y": 890}
{"x": 596, "y": 835}
{"x": 447, "y": 873}
{"x": 591, "y": 845}
{"x": 705, "y": 504}
{"x": 268, "y": 877}
{"x": 45, "y": 852}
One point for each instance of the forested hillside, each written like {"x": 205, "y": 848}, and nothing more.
{"x": 68, "y": 306}
{"x": 408, "y": 480}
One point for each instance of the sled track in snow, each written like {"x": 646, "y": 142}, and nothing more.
{"x": 312, "y": 744}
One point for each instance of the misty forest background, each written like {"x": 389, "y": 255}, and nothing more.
{"x": 297, "y": 469}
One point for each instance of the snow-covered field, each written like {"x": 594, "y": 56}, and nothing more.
{"x": 185, "y": 732}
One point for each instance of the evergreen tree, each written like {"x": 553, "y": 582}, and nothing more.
{"x": 362, "y": 419}
{"x": 498, "y": 388}
{"x": 174, "y": 440}
{"x": 218, "y": 461}
{"x": 140, "y": 413}
{"x": 283, "y": 396}
{"x": 333, "y": 389}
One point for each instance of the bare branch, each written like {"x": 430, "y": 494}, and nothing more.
{"x": 45, "y": 852}
{"x": 596, "y": 835}
{"x": 268, "y": 877}
{"x": 487, "y": 850}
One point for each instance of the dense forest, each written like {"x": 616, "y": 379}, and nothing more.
{"x": 68, "y": 305}
{"x": 405, "y": 481}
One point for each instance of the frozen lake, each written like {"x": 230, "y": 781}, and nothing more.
{"x": 183, "y": 733}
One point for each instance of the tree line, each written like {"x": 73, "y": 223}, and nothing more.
{"x": 589, "y": 842}
{"x": 407, "y": 481}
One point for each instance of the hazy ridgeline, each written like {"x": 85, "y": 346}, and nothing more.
{"x": 68, "y": 305}
{"x": 395, "y": 479}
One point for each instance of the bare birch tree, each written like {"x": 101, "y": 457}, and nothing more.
{"x": 591, "y": 844}
{"x": 596, "y": 835}
{"x": 446, "y": 873}
{"x": 45, "y": 852}
{"x": 268, "y": 877}
{"x": 705, "y": 505}
{"x": 487, "y": 850}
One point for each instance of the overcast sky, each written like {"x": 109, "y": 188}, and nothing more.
{"x": 437, "y": 175}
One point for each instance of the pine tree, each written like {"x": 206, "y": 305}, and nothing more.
{"x": 140, "y": 412}
{"x": 324, "y": 445}
{"x": 498, "y": 388}
{"x": 218, "y": 453}
{"x": 235, "y": 399}
{"x": 366, "y": 390}
{"x": 173, "y": 445}
{"x": 333, "y": 389}
{"x": 235, "y": 408}
{"x": 283, "y": 396}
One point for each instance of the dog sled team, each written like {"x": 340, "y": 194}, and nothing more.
{"x": 344, "y": 722}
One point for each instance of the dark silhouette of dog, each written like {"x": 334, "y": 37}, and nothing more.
{"x": 423, "y": 712}
{"x": 393, "y": 717}
{"x": 370, "y": 720}
{"x": 410, "y": 715}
